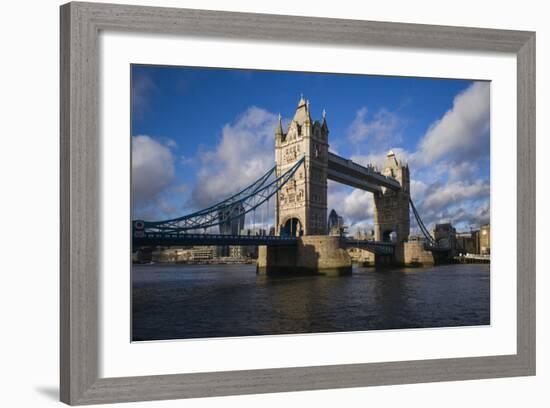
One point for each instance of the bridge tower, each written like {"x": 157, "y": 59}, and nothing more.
{"x": 391, "y": 208}
{"x": 301, "y": 207}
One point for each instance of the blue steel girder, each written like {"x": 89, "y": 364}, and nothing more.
{"x": 234, "y": 207}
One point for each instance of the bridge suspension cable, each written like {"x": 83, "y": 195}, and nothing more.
{"x": 232, "y": 208}
{"x": 431, "y": 244}
{"x": 425, "y": 232}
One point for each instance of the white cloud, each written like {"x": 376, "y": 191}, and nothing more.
{"x": 418, "y": 189}
{"x": 354, "y": 205}
{"x": 465, "y": 217}
{"x": 358, "y": 205}
{"x": 378, "y": 158}
{"x": 461, "y": 133}
{"x": 381, "y": 130}
{"x": 462, "y": 203}
{"x": 245, "y": 151}
{"x": 439, "y": 197}
{"x": 445, "y": 184}
{"x": 187, "y": 161}
{"x": 443, "y": 168}
{"x": 152, "y": 169}
{"x": 171, "y": 143}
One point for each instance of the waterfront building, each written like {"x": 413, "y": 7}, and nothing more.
{"x": 485, "y": 239}
{"x": 202, "y": 253}
{"x": 193, "y": 254}
{"x": 468, "y": 242}
{"x": 445, "y": 234}
{"x": 237, "y": 251}
{"x": 242, "y": 251}
{"x": 162, "y": 255}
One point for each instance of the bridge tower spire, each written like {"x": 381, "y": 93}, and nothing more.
{"x": 391, "y": 207}
{"x": 301, "y": 207}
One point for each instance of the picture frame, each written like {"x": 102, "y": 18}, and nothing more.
{"x": 81, "y": 24}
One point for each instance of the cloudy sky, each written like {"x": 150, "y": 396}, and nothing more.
{"x": 199, "y": 135}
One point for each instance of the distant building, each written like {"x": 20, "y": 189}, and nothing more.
{"x": 361, "y": 255}
{"x": 416, "y": 238}
{"x": 231, "y": 219}
{"x": 475, "y": 242}
{"x": 468, "y": 242}
{"x": 444, "y": 231}
{"x": 485, "y": 239}
{"x": 445, "y": 234}
{"x": 334, "y": 220}
{"x": 202, "y": 253}
{"x": 335, "y": 223}
{"x": 193, "y": 254}
{"x": 253, "y": 231}
{"x": 364, "y": 234}
{"x": 237, "y": 251}
{"x": 164, "y": 255}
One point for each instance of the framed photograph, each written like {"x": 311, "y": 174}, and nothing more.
{"x": 261, "y": 203}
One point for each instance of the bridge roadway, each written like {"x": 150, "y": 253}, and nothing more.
{"x": 142, "y": 239}
{"x": 355, "y": 175}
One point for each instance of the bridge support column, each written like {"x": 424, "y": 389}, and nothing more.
{"x": 276, "y": 259}
{"x": 414, "y": 254}
{"x": 391, "y": 208}
{"x": 395, "y": 259}
{"x": 302, "y": 203}
{"x": 383, "y": 260}
{"x": 313, "y": 254}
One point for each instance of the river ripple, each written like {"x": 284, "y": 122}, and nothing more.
{"x": 197, "y": 301}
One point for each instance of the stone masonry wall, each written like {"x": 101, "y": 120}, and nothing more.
{"x": 322, "y": 253}
{"x": 314, "y": 254}
{"x": 415, "y": 254}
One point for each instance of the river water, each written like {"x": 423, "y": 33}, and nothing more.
{"x": 198, "y": 301}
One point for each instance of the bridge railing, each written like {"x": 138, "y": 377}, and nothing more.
{"x": 141, "y": 239}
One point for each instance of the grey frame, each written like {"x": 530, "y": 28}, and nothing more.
{"x": 80, "y": 25}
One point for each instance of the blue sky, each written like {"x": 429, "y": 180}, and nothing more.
{"x": 198, "y": 134}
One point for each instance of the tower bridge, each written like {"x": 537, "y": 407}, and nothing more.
{"x": 297, "y": 184}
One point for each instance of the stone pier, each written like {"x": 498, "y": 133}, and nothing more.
{"x": 313, "y": 254}
{"x": 412, "y": 253}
